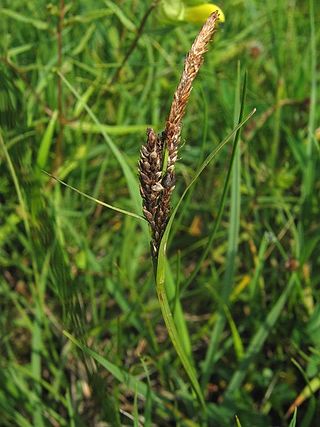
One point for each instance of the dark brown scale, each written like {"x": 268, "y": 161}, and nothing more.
{"x": 168, "y": 180}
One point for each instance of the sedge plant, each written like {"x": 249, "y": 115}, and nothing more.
{"x": 157, "y": 181}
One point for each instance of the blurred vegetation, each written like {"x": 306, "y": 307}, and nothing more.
{"x": 83, "y": 342}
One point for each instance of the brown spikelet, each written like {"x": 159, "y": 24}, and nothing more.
{"x": 150, "y": 171}
{"x": 156, "y": 184}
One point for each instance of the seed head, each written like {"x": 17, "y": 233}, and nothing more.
{"x": 156, "y": 184}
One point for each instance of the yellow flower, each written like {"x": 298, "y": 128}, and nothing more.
{"x": 171, "y": 11}
{"x": 199, "y": 14}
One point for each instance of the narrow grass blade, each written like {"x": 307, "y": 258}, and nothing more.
{"x": 36, "y": 329}
{"x": 148, "y": 404}
{"x": 119, "y": 296}
{"x": 233, "y": 237}
{"x": 89, "y": 16}
{"x": 106, "y": 205}
{"x": 40, "y": 25}
{"x": 49, "y": 388}
{"x": 308, "y": 391}
{"x": 135, "y": 411}
{"x": 237, "y": 342}
{"x": 20, "y": 49}
{"x": 148, "y": 410}
{"x": 274, "y": 152}
{"x": 36, "y": 361}
{"x": 92, "y": 128}
{"x": 125, "y": 21}
{"x": 259, "y": 265}
{"x": 131, "y": 382}
{"x": 309, "y": 169}
{"x": 160, "y": 276}
{"x": 79, "y": 107}
{"x": 128, "y": 380}
{"x": 177, "y": 310}
{"x": 260, "y": 337}
{"x": 83, "y": 42}
{"x": 293, "y": 422}
{"x": 173, "y": 333}
{"x": 216, "y": 225}
{"x": 12, "y": 416}
{"x": 46, "y": 141}
{"x": 129, "y": 175}
{"x": 71, "y": 411}
{"x": 16, "y": 185}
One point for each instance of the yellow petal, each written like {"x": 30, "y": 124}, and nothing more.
{"x": 199, "y": 14}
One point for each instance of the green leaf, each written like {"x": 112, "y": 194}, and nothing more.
{"x": 86, "y": 127}
{"x": 125, "y": 21}
{"x": 160, "y": 273}
{"x": 46, "y": 142}
{"x": 260, "y": 337}
{"x": 40, "y": 25}
{"x": 178, "y": 315}
{"x": 131, "y": 382}
{"x": 233, "y": 235}
{"x": 294, "y": 419}
{"x": 216, "y": 224}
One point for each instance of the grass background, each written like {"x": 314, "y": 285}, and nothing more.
{"x": 249, "y": 319}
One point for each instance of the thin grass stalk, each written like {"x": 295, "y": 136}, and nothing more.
{"x": 59, "y": 142}
{"x": 135, "y": 41}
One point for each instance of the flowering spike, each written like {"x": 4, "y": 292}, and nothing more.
{"x": 157, "y": 178}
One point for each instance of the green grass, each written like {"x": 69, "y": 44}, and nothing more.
{"x": 234, "y": 337}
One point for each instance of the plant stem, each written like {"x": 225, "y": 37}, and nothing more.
{"x": 59, "y": 143}
{"x": 135, "y": 41}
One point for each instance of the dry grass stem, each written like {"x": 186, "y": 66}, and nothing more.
{"x": 158, "y": 180}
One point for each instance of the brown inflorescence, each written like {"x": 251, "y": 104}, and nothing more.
{"x": 150, "y": 171}
{"x": 157, "y": 184}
